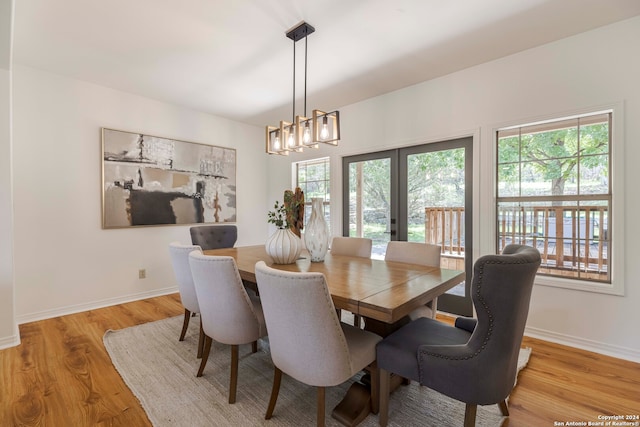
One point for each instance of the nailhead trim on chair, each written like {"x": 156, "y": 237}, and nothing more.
{"x": 482, "y": 301}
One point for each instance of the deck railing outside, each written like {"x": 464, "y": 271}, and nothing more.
{"x": 576, "y": 248}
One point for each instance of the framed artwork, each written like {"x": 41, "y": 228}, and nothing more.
{"x": 150, "y": 180}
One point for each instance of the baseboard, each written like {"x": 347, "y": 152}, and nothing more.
{"x": 584, "y": 344}
{"x": 570, "y": 341}
{"x": 10, "y": 341}
{"x": 63, "y": 311}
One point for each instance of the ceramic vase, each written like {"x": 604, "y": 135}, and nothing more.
{"x": 283, "y": 246}
{"x": 316, "y": 234}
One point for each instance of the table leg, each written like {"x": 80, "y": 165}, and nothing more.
{"x": 356, "y": 404}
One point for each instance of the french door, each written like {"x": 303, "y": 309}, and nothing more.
{"x": 417, "y": 194}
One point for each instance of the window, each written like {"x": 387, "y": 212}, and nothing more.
{"x": 554, "y": 192}
{"x": 313, "y": 178}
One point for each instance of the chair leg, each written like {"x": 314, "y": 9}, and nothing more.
{"x": 233, "y": 380}
{"x": 185, "y": 324}
{"x": 277, "y": 377}
{"x": 504, "y": 408}
{"x": 205, "y": 354}
{"x": 320, "y": 407}
{"x": 470, "y": 415}
{"x": 200, "y": 340}
{"x": 375, "y": 387}
{"x": 254, "y": 347}
{"x": 384, "y": 378}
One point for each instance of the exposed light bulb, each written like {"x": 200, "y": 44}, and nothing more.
{"x": 276, "y": 143}
{"x": 324, "y": 132}
{"x": 291, "y": 141}
{"x": 306, "y": 137}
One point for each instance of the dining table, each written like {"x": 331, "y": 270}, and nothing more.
{"x": 382, "y": 292}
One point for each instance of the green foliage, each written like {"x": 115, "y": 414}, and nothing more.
{"x": 313, "y": 178}
{"x": 433, "y": 179}
{"x": 278, "y": 216}
{"x": 552, "y": 157}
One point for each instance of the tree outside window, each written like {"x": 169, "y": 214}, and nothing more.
{"x": 554, "y": 193}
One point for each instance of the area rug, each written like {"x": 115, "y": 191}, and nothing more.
{"x": 161, "y": 372}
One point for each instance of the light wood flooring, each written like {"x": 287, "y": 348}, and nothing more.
{"x": 61, "y": 375}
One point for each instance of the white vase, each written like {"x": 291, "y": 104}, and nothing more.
{"x": 316, "y": 234}
{"x": 283, "y": 246}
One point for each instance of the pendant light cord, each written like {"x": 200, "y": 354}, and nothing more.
{"x": 305, "y": 76}
{"x": 293, "y": 115}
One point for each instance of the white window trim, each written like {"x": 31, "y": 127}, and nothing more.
{"x": 618, "y": 280}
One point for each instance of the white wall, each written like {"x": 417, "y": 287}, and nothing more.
{"x": 8, "y": 331}
{"x": 596, "y": 68}
{"x": 64, "y": 260}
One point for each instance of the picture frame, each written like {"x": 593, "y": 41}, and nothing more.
{"x": 150, "y": 180}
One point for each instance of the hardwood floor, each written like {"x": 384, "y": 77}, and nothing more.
{"x": 61, "y": 375}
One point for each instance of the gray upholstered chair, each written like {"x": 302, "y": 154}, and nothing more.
{"x": 214, "y": 236}
{"x": 314, "y": 348}
{"x": 474, "y": 361}
{"x": 416, "y": 253}
{"x": 229, "y": 315}
{"x": 352, "y": 246}
{"x": 180, "y": 260}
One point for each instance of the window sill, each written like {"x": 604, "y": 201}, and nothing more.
{"x": 579, "y": 285}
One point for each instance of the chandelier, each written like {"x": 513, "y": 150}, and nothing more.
{"x": 302, "y": 131}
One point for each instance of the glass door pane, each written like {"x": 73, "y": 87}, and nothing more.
{"x": 369, "y": 199}
{"x": 435, "y": 180}
{"x": 435, "y": 208}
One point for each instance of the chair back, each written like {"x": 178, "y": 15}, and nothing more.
{"x": 305, "y": 336}
{"x": 413, "y": 253}
{"x": 228, "y": 314}
{"x": 214, "y": 236}
{"x": 352, "y": 246}
{"x": 180, "y": 260}
{"x": 501, "y": 292}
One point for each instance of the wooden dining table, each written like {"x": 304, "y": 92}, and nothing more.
{"x": 374, "y": 289}
{"x": 382, "y": 292}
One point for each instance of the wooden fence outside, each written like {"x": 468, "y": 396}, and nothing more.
{"x": 577, "y": 248}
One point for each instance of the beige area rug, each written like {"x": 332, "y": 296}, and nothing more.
{"x": 161, "y": 372}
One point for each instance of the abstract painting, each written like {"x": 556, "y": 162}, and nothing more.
{"x": 149, "y": 180}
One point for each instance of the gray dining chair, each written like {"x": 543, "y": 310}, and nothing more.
{"x": 217, "y": 237}
{"x": 476, "y": 360}
{"x": 214, "y": 236}
{"x": 416, "y": 253}
{"x": 316, "y": 348}
{"x": 179, "y": 254}
{"x": 229, "y": 314}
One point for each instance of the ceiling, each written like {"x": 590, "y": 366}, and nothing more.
{"x": 231, "y": 57}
